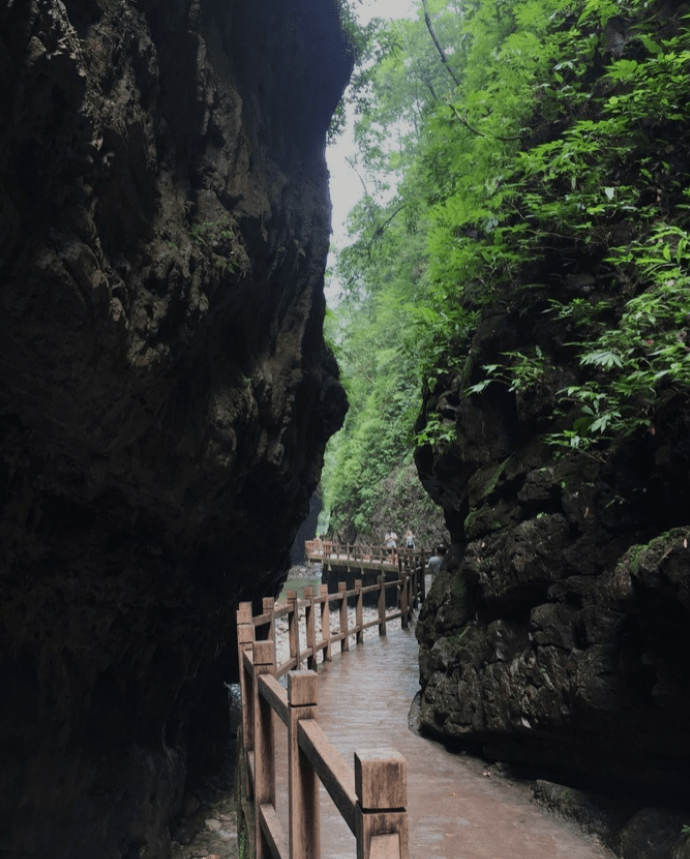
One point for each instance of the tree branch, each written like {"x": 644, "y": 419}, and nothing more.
{"x": 465, "y": 122}
{"x": 379, "y": 231}
{"x": 449, "y": 69}
{"x": 444, "y": 58}
{"x": 478, "y": 133}
{"x": 367, "y": 195}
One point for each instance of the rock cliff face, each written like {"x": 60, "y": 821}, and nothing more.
{"x": 557, "y": 635}
{"x": 166, "y": 394}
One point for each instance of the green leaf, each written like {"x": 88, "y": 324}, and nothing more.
{"x": 649, "y": 43}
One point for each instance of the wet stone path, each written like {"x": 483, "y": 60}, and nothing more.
{"x": 457, "y": 808}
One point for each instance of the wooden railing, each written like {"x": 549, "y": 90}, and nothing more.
{"x": 372, "y": 797}
{"x": 352, "y": 553}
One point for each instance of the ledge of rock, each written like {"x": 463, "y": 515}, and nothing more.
{"x": 166, "y": 393}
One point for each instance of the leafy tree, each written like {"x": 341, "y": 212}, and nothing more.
{"x": 522, "y": 155}
{"x": 590, "y": 185}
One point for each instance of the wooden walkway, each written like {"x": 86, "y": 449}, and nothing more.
{"x": 455, "y": 811}
{"x": 358, "y": 556}
{"x": 447, "y": 806}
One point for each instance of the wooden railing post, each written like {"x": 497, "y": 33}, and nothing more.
{"x": 245, "y": 641}
{"x": 422, "y": 579}
{"x": 264, "y": 747}
{"x": 382, "y": 604}
{"x": 269, "y": 608}
{"x": 404, "y": 601}
{"x": 303, "y": 786}
{"x": 359, "y": 611}
{"x": 326, "y": 623}
{"x": 293, "y": 627}
{"x": 382, "y": 826}
{"x": 345, "y": 641}
{"x": 311, "y": 627}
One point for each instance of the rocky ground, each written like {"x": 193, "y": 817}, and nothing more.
{"x": 209, "y": 831}
{"x": 207, "y": 828}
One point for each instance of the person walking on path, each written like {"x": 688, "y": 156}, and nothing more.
{"x": 436, "y": 560}
{"x": 391, "y": 539}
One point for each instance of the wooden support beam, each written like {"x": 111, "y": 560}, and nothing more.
{"x": 244, "y": 613}
{"x": 345, "y": 641}
{"x": 326, "y": 623}
{"x": 293, "y": 627}
{"x": 359, "y": 611}
{"x": 275, "y": 694}
{"x": 334, "y": 774}
{"x": 245, "y": 643}
{"x": 264, "y": 750}
{"x": 303, "y": 786}
{"x": 270, "y": 609}
{"x": 311, "y": 628}
{"x": 404, "y": 600}
{"x": 274, "y": 833}
{"x": 381, "y": 817}
{"x": 382, "y": 604}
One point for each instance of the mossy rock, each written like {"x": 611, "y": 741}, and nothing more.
{"x": 662, "y": 565}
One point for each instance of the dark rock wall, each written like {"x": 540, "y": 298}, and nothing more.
{"x": 165, "y": 393}
{"x": 307, "y": 530}
{"x": 557, "y": 635}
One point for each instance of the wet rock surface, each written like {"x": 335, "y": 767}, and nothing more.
{"x": 166, "y": 394}
{"x": 632, "y": 831}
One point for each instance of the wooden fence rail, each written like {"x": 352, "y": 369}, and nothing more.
{"x": 410, "y": 588}
{"x": 332, "y": 551}
{"x": 372, "y": 797}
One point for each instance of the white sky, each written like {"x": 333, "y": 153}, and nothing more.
{"x": 346, "y": 188}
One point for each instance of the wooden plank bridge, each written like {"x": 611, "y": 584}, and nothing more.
{"x": 372, "y": 797}
{"x": 361, "y": 556}
{"x": 452, "y": 811}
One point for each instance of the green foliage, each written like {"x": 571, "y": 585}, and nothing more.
{"x": 219, "y": 242}
{"x": 592, "y": 175}
{"x": 544, "y": 181}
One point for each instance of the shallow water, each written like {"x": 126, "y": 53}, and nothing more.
{"x": 299, "y": 583}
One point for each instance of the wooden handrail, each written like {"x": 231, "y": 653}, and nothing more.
{"x": 410, "y": 590}
{"x": 335, "y": 775}
{"x": 273, "y": 692}
{"x": 354, "y": 554}
{"x": 372, "y": 798}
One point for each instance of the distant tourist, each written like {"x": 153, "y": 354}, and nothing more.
{"x": 391, "y": 540}
{"x": 409, "y": 539}
{"x": 436, "y": 560}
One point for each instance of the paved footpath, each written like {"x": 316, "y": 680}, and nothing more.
{"x": 455, "y": 811}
